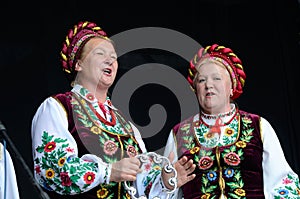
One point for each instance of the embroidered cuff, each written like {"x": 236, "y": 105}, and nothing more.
{"x": 107, "y": 173}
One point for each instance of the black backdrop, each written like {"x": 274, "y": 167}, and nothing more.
{"x": 264, "y": 34}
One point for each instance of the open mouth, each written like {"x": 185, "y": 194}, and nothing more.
{"x": 107, "y": 71}
{"x": 210, "y": 94}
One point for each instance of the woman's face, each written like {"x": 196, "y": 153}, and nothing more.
{"x": 98, "y": 65}
{"x": 213, "y": 87}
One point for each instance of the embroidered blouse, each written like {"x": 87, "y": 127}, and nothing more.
{"x": 235, "y": 154}
{"x": 74, "y": 145}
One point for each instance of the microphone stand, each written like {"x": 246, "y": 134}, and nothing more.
{"x": 3, "y": 134}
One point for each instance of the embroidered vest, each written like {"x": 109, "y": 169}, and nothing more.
{"x": 233, "y": 170}
{"x": 111, "y": 143}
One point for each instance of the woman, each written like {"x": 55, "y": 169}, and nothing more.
{"x": 82, "y": 145}
{"x": 237, "y": 153}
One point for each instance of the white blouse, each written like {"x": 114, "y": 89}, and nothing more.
{"x": 51, "y": 117}
{"x": 275, "y": 166}
{"x": 9, "y": 189}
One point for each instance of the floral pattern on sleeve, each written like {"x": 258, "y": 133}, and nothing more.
{"x": 289, "y": 188}
{"x": 57, "y": 166}
{"x": 153, "y": 170}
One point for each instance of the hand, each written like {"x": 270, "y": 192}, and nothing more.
{"x": 125, "y": 170}
{"x": 184, "y": 168}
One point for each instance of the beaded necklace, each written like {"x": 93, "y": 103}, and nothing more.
{"x": 220, "y": 115}
{"x": 103, "y": 120}
{"x": 216, "y": 128}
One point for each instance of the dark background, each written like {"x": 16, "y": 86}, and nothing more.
{"x": 264, "y": 34}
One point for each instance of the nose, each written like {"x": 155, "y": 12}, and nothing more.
{"x": 109, "y": 60}
{"x": 208, "y": 84}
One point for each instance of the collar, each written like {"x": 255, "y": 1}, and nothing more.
{"x": 225, "y": 117}
{"x": 88, "y": 96}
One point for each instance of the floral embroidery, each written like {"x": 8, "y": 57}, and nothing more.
{"x": 211, "y": 175}
{"x": 50, "y": 146}
{"x": 232, "y": 156}
{"x": 152, "y": 175}
{"x": 61, "y": 161}
{"x": 241, "y": 144}
{"x": 69, "y": 173}
{"x": 65, "y": 179}
{"x": 110, "y": 147}
{"x": 194, "y": 150}
{"x": 205, "y": 196}
{"x": 229, "y": 172}
{"x": 229, "y": 132}
{"x": 50, "y": 173}
{"x": 131, "y": 151}
{"x": 96, "y": 130}
{"x": 89, "y": 96}
{"x": 205, "y": 159}
{"x": 89, "y": 177}
{"x": 289, "y": 187}
{"x": 37, "y": 169}
{"x": 102, "y": 193}
{"x": 240, "y": 192}
{"x": 205, "y": 163}
{"x": 115, "y": 142}
{"x": 232, "y": 159}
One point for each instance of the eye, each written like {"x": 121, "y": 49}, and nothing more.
{"x": 217, "y": 78}
{"x": 201, "y": 80}
{"x": 113, "y": 56}
{"x": 100, "y": 53}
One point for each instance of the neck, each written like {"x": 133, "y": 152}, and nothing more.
{"x": 99, "y": 92}
{"x": 225, "y": 111}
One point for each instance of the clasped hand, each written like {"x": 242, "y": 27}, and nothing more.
{"x": 125, "y": 170}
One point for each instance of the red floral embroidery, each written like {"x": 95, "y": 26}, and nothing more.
{"x": 110, "y": 147}
{"x": 38, "y": 169}
{"x": 205, "y": 162}
{"x": 147, "y": 167}
{"x": 131, "y": 152}
{"x": 89, "y": 177}
{"x": 50, "y": 146}
{"x": 90, "y": 96}
{"x": 232, "y": 159}
{"x": 65, "y": 179}
{"x": 69, "y": 149}
{"x": 287, "y": 181}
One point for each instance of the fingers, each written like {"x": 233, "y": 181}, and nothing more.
{"x": 190, "y": 168}
{"x": 133, "y": 165}
{"x": 183, "y": 160}
{"x": 125, "y": 169}
{"x": 191, "y": 177}
{"x": 185, "y": 163}
{"x": 185, "y": 169}
{"x": 171, "y": 156}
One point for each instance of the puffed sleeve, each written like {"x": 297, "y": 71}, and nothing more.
{"x": 8, "y": 180}
{"x": 57, "y": 165}
{"x": 149, "y": 183}
{"x": 280, "y": 181}
{"x": 171, "y": 146}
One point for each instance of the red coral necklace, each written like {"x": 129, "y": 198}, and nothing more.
{"x": 103, "y": 120}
